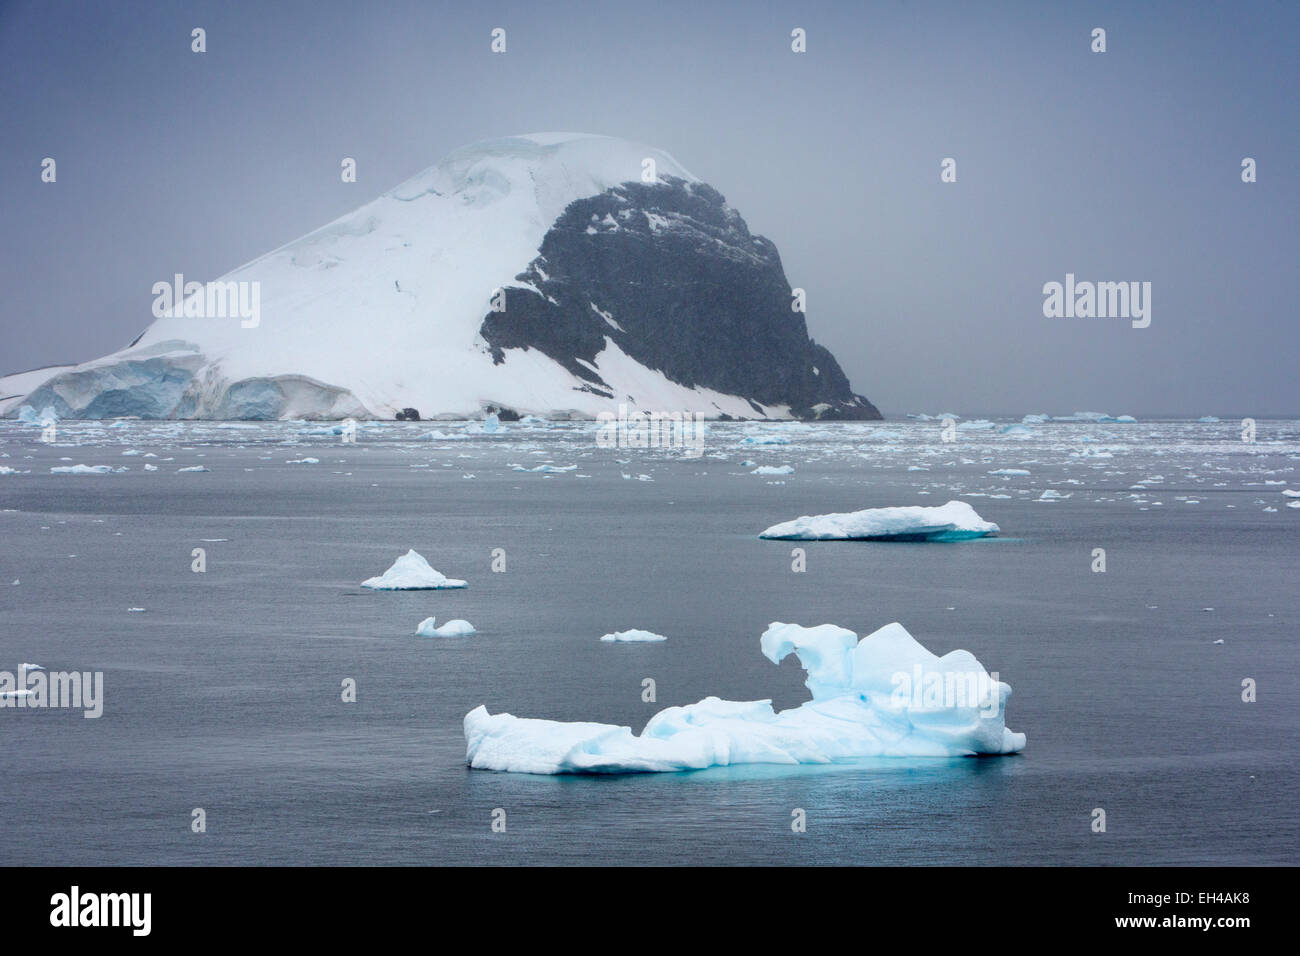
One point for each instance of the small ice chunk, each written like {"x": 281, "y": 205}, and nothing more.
{"x": 633, "y": 636}
{"x": 456, "y": 628}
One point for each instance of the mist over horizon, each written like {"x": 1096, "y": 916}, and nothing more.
{"x": 1114, "y": 167}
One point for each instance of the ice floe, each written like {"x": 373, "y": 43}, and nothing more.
{"x": 633, "y": 636}
{"x": 81, "y": 470}
{"x": 954, "y": 521}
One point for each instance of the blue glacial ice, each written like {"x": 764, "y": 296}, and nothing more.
{"x": 882, "y": 696}
{"x": 28, "y": 416}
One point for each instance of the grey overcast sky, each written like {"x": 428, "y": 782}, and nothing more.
{"x": 1123, "y": 165}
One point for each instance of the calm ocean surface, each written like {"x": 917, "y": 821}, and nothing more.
{"x": 224, "y": 692}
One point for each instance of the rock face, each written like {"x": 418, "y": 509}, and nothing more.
{"x": 615, "y": 291}
{"x": 697, "y": 297}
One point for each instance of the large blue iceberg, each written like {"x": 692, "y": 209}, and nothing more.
{"x": 882, "y": 696}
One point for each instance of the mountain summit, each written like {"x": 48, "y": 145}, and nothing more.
{"x": 556, "y": 274}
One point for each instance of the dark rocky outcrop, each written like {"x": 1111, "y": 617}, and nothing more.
{"x": 671, "y": 274}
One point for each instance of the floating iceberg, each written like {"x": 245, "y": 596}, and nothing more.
{"x": 883, "y": 696}
{"x": 545, "y": 469}
{"x": 489, "y": 426}
{"x": 445, "y": 436}
{"x": 773, "y": 470}
{"x": 456, "y": 628}
{"x": 633, "y": 636}
{"x": 411, "y": 572}
{"x": 955, "y": 521}
{"x": 81, "y": 470}
{"x": 1084, "y": 417}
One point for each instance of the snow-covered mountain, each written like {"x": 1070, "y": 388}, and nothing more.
{"x": 538, "y": 274}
